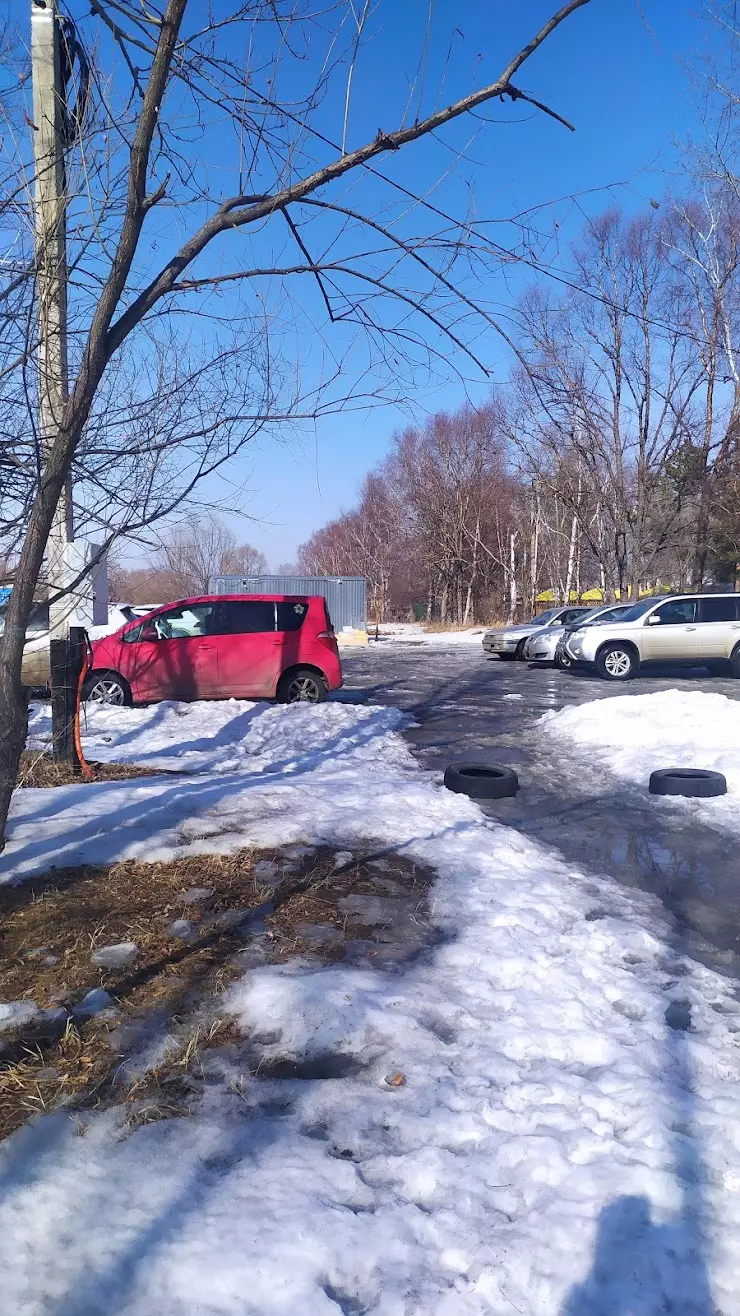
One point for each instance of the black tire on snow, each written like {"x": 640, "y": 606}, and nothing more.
{"x": 698, "y": 783}
{"x": 563, "y": 661}
{"x": 519, "y": 651}
{"x": 481, "y": 781}
{"x": 735, "y": 663}
{"x": 607, "y": 667}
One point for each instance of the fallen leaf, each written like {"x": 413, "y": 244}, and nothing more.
{"x": 397, "y": 1080}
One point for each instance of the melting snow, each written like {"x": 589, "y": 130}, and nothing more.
{"x": 627, "y": 737}
{"x": 538, "y": 1116}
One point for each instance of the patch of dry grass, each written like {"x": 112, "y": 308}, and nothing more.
{"x": 50, "y": 926}
{"x": 39, "y": 768}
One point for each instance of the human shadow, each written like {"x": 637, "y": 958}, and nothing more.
{"x": 643, "y": 1266}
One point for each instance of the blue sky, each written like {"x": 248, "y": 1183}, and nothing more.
{"x": 615, "y": 69}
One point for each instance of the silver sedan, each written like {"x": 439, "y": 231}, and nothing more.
{"x": 509, "y": 641}
{"x": 541, "y": 647}
{"x": 548, "y": 645}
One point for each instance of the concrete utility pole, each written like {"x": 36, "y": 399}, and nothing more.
{"x": 51, "y": 255}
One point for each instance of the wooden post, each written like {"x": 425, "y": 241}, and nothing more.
{"x": 51, "y": 261}
{"x": 67, "y": 661}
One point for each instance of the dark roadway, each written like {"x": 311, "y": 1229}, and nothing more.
{"x": 458, "y": 697}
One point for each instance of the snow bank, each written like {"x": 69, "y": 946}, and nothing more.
{"x": 224, "y": 735}
{"x": 236, "y": 795}
{"x": 631, "y": 735}
{"x": 414, "y": 633}
{"x": 566, "y": 1137}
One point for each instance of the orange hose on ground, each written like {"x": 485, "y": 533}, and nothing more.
{"x": 85, "y": 766}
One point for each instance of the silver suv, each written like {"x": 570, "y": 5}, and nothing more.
{"x": 698, "y": 630}
{"x": 509, "y": 641}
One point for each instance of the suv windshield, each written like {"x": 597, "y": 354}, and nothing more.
{"x": 639, "y": 609}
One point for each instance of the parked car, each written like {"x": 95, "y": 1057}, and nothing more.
{"x": 698, "y": 630}
{"x": 35, "y": 664}
{"x": 35, "y": 667}
{"x": 548, "y": 645}
{"x": 118, "y": 615}
{"x": 509, "y": 641}
{"x": 248, "y": 646}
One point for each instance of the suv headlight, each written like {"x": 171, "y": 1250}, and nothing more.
{"x": 576, "y": 640}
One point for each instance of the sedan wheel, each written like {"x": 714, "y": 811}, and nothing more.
{"x": 302, "y": 687}
{"x": 106, "y": 690}
{"x": 563, "y": 662}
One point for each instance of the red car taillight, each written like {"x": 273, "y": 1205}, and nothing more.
{"x": 325, "y": 635}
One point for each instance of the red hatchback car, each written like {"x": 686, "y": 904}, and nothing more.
{"x": 249, "y": 646}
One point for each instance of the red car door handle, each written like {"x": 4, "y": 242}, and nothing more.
{"x": 209, "y": 647}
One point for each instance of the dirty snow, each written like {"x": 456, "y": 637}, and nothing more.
{"x": 115, "y": 957}
{"x": 629, "y": 736}
{"x": 13, "y": 1014}
{"x": 413, "y": 633}
{"x": 94, "y": 1002}
{"x": 566, "y": 1137}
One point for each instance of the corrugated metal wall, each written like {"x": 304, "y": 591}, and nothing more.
{"x": 345, "y": 595}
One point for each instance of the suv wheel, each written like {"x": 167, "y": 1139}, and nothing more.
{"x": 301, "y": 687}
{"x": 563, "y": 661}
{"x": 617, "y": 662}
{"x": 735, "y": 661}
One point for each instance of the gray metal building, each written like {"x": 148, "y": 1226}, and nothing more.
{"x": 345, "y": 595}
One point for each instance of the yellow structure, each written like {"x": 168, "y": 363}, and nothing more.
{"x": 593, "y": 596}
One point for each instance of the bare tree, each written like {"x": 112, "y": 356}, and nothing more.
{"x": 243, "y": 560}
{"x": 185, "y": 562}
{"x": 159, "y": 239}
{"x": 452, "y": 476}
{"x": 199, "y": 549}
{"x": 369, "y": 541}
{"x": 704, "y": 240}
{"x": 606, "y": 387}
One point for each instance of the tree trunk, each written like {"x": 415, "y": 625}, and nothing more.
{"x": 443, "y": 603}
{"x": 701, "y": 540}
{"x": 572, "y": 548}
{"x": 512, "y": 579}
{"x": 534, "y": 549}
{"x": 635, "y": 583}
{"x": 571, "y": 558}
{"x": 14, "y": 719}
{"x": 13, "y": 699}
